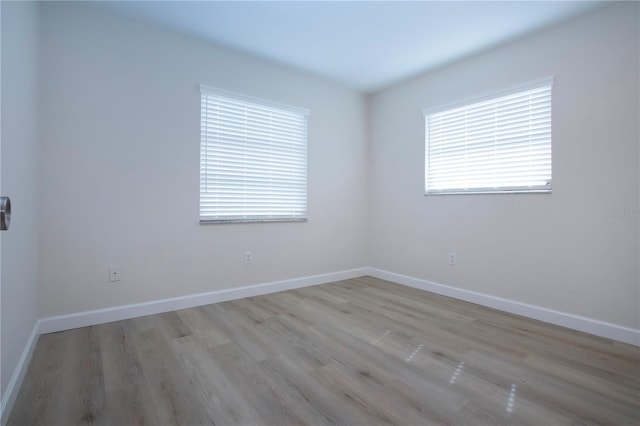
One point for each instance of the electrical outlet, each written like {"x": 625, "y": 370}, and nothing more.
{"x": 452, "y": 259}
{"x": 248, "y": 258}
{"x": 114, "y": 273}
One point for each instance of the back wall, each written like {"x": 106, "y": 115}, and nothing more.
{"x": 120, "y": 111}
{"x": 575, "y": 250}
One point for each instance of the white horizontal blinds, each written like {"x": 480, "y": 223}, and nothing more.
{"x": 497, "y": 145}
{"x": 253, "y": 160}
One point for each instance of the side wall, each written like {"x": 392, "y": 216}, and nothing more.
{"x": 19, "y": 181}
{"x": 574, "y": 251}
{"x": 120, "y": 174}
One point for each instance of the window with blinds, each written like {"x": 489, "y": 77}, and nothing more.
{"x": 497, "y": 145}
{"x": 253, "y": 159}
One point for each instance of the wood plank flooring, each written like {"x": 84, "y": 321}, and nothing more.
{"x": 356, "y": 352}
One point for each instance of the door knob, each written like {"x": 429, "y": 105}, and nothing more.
{"x": 5, "y": 213}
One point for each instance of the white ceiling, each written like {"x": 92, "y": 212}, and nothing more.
{"x": 364, "y": 45}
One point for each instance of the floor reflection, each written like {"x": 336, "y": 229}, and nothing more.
{"x": 512, "y": 398}
{"x": 383, "y": 335}
{"x": 456, "y": 373}
{"x": 410, "y": 357}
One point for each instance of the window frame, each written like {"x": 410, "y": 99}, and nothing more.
{"x": 427, "y": 113}
{"x": 300, "y": 215}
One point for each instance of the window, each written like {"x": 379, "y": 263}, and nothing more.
{"x": 497, "y": 145}
{"x": 253, "y": 159}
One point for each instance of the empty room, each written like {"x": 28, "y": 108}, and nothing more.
{"x": 318, "y": 212}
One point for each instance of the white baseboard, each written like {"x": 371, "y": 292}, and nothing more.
{"x": 575, "y": 322}
{"x": 9, "y": 397}
{"x": 100, "y": 316}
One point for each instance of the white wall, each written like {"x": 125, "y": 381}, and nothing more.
{"x": 560, "y": 251}
{"x": 120, "y": 167}
{"x": 19, "y": 181}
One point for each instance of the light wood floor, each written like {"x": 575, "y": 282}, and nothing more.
{"x": 361, "y": 351}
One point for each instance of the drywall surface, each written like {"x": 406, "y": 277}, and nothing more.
{"x": 120, "y": 167}
{"x": 19, "y": 180}
{"x": 575, "y": 250}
